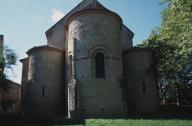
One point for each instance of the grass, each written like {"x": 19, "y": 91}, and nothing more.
{"x": 131, "y": 122}
{"x": 169, "y": 115}
{"x": 101, "y": 122}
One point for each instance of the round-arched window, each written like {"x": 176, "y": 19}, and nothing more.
{"x": 100, "y": 65}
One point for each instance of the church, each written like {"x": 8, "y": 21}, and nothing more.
{"x": 89, "y": 69}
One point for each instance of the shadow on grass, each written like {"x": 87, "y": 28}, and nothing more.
{"x": 168, "y": 112}
{"x": 20, "y": 120}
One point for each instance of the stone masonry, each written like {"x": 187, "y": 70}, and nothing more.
{"x": 89, "y": 69}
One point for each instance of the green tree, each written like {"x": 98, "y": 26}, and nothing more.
{"x": 7, "y": 58}
{"x": 172, "y": 41}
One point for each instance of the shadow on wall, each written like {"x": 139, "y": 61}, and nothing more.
{"x": 10, "y": 98}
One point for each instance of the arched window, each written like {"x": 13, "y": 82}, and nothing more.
{"x": 100, "y": 65}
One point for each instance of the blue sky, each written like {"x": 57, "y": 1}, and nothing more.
{"x": 24, "y": 22}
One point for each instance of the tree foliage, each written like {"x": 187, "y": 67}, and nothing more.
{"x": 172, "y": 41}
{"x": 7, "y": 58}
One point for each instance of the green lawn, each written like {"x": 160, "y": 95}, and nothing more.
{"x": 121, "y": 122}
{"x": 60, "y": 121}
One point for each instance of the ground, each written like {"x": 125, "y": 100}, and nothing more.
{"x": 168, "y": 116}
{"x": 131, "y": 122}
{"x": 112, "y": 122}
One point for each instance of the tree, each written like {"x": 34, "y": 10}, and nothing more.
{"x": 172, "y": 41}
{"x": 7, "y": 58}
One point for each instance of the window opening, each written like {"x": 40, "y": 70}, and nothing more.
{"x": 144, "y": 87}
{"x": 100, "y": 65}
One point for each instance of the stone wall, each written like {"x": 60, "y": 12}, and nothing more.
{"x": 89, "y": 33}
{"x": 45, "y": 89}
{"x": 1, "y": 54}
{"x": 1, "y": 39}
{"x": 141, "y": 81}
{"x": 126, "y": 38}
{"x": 11, "y": 99}
{"x": 55, "y": 35}
{"x": 24, "y": 83}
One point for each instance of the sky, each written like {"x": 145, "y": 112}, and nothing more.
{"x": 24, "y": 22}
